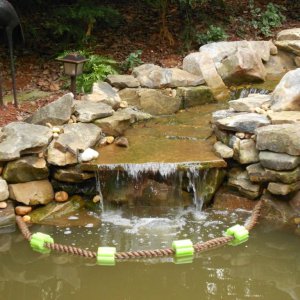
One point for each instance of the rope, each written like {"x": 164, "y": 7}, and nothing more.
{"x": 199, "y": 247}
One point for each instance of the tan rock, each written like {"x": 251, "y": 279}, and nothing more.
{"x": 23, "y": 210}
{"x": 96, "y": 199}
{"x": 283, "y": 189}
{"x": 289, "y": 34}
{"x": 289, "y": 46}
{"x": 297, "y": 61}
{"x": 26, "y": 219}
{"x": 3, "y": 205}
{"x": 32, "y": 193}
{"x": 109, "y": 139}
{"x": 285, "y": 117}
{"x": 61, "y": 196}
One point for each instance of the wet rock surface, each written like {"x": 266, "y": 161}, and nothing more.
{"x": 278, "y": 161}
{"x": 250, "y": 103}
{"x": 27, "y": 168}
{"x": 18, "y": 138}
{"x": 194, "y": 96}
{"x": 72, "y": 174}
{"x": 7, "y": 218}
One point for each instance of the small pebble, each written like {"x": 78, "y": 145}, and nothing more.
{"x": 96, "y": 199}
{"x": 55, "y": 135}
{"x": 74, "y": 119}
{"x": 3, "y": 205}
{"x": 41, "y": 155}
{"x": 240, "y": 135}
{"x": 109, "y": 139}
{"x": 70, "y": 121}
{"x": 23, "y": 210}
{"x": 26, "y": 219}
{"x": 55, "y": 129}
{"x": 61, "y": 196}
{"x": 123, "y": 104}
{"x": 122, "y": 142}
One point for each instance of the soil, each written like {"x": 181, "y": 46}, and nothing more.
{"x": 37, "y": 69}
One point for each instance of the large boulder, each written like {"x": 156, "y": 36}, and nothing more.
{"x": 158, "y": 103}
{"x": 4, "y": 194}
{"x": 121, "y": 120}
{"x": 123, "y": 81}
{"x": 88, "y": 111}
{"x": 55, "y": 113}
{"x": 194, "y": 96}
{"x": 289, "y": 46}
{"x": 289, "y": 34}
{"x": 103, "y": 92}
{"x": 32, "y": 193}
{"x": 76, "y": 138}
{"x": 155, "y": 77}
{"x": 27, "y": 168}
{"x": 243, "y": 122}
{"x": 18, "y": 138}
{"x": 240, "y": 61}
{"x": 286, "y": 95}
{"x": 250, "y": 103}
{"x": 283, "y": 138}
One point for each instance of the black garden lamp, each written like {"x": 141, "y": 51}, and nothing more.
{"x": 73, "y": 66}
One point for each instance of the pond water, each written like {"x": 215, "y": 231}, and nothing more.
{"x": 266, "y": 267}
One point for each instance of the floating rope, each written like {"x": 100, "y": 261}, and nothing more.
{"x": 198, "y": 247}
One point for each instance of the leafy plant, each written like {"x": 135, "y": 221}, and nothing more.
{"x": 133, "y": 60}
{"x": 213, "y": 34}
{"x": 96, "y": 68}
{"x": 265, "y": 21}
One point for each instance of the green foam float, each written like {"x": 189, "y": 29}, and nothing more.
{"x": 38, "y": 240}
{"x": 240, "y": 234}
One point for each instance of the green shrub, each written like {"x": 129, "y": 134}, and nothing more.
{"x": 213, "y": 34}
{"x": 133, "y": 60}
{"x": 96, "y": 68}
{"x": 265, "y": 21}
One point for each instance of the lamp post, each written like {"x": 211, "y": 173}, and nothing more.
{"x": 73, "y": 66}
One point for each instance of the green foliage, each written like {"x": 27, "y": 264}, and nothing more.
{"x": 133, "y": 60}
{"x": 96, "y": 68}
{"x": 265, "y": 21}
{"x": 213, "y": 34}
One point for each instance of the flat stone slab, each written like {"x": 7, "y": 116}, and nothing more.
{"x": 7, "y": 218}
{"x": 18, "y": 138}
{"x": 289, "y": 34}
{"x": 283, "y": 138}
{"x": 167, "y": 140}
{"x": 55, "y": 113}
{"x": 72, "y": 174}
{"x": 123, "y": 81}
{"x": 257, "y": 173}
{"x": 222, "y": 114}
{"x": 250, "y": 103}
{"x": 283, "y": 189}
{"x": 285, "y": 117}
{"x": 243, "y": 123}
{"x": 289, "y": 45}
{"x": 278, "y": 161}
{"x": 223, "y": 150}
{"x": 88, "y": 111}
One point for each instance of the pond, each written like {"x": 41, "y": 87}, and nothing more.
{"x": 266, "y": 267}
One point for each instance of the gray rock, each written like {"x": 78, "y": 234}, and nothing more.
{"x": 285, "y": 117}
{"x": 27, "y": 168}
{"x": 257, "y": 173}
{"x": 283, "y": 189}
{"x": 289, "y": 34}
{"x": 239, "y": 179}
{"x": 283, "y": 138}
{"x": 32, "y": 193}
{"x": 292, "y": 46}
{"x": 245, "y": 152}
{"x": 286, "y": 95}
{"x": 222, "y": 150}
{"x": 157, "y": 103}
{"x": 222, "y": 135}
{"x": 55, "y": 113}
{"x": 72, "y": 174}
{"x": 121, "y": 120}
{"x": 155, "y": 77}
{"x": 76, "y": 137}
{"x": 103, "y": 92}
{"x": 243, "y": 122}
{"x": 123, "y": 81}
{"x": 4, "y": 194}
{"x": 7, "y": 218}
{"x": 297, "y": 61}
{"x": 194, "y": 96}
{"x": 278, "y": 161}
{"x": 18, "y": 138}
{"x": 250, "y": 103}
{"x": 222, "y": 114}
{"x": 191, "y": 63}
{"x": 88, "y": 111}
{"x": 122, "y": 142}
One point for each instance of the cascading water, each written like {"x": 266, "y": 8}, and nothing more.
{"x": 245, "y": 92}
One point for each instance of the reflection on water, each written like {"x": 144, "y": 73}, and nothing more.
{"x": 266, "y": 267}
